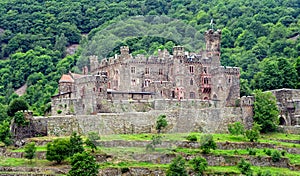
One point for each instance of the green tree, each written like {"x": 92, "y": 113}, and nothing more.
{"x": 265, "y": 111}
{"x": 19, "y": 118}
{"x": 156, "y": 140}
{"x": 91, "y": 140}
{"x": 83, "y": 164}
{"x": 236, "y": 128}
{"x": 206, "y": 143}
{"x": 177, "y": 167}
{"x": 199, "y": 165}
{"x": 30, "y": 150}
{"x": 161, "y": 123}
{"x": 245, "y": 167}
{"x": 58, "y": 150}
{"x": 17, "y": 105}
{"x": 76, "y": 144}
{"x": 5, "y": 135}
{"x": 253, "y": 134}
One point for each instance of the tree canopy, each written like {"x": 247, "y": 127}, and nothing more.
{"x": 261, "y": 37}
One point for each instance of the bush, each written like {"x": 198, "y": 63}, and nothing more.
{"x": 192, "y": 138}
{"x": 177, "y": 167}
{"x": 161, "y": 123}
{"x": 244, "y": 167}
{"x": 199, "y": 164}
{"x": 58, "y": 150}
{"x": 30, "y": 150}
{"x": 16, "y": 105}
{"x": 236, "y": 128}
{"x": 251, "y": 151}
{"x": 254, "y": 133}
{"x": 76, "y": 144}
{"x": 19, "y": 118}
{"x": 276, "y": 156}
{"x": 83, "y": 164}
{"x": 156, "y": 139}
{"x": 91, "y": 141}
{"x": 206, "y": 143}
{"x": 268, "y": 152}
{"x": 59, "y": 111}
{"x": 5, "y": 135}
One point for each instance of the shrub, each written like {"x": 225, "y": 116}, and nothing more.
{"x": 177, "y": 167}
{"x": 268, "y": 152}
{"x": 236, "y": 128}
{"x": 161, "y": 123}
{"x": 83, "y": 164}
{"x": 58, "y": 150}
{"x": 199, "y": 164}
{"x": 254, "y": 133}
{"x": 76, "y": 144}
{"x": 244, "y": 167}
{"x": 19, "y": 118}
{"x": 192, "y": 138}
{"x": 30, "y": 150}
{"x": 251, "y": 151}
{"x": 59, "y": 111}
{"x": 91, "y": 141}
{"x": 156, "y": 139}
{"x": 283, "y": 152}
{"x": 275, "y": 156}
{"x": 206, "y": 143}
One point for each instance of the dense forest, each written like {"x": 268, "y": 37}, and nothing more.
{"x": 260, "y": 37}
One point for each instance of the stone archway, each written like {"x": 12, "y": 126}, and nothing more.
{"x": 282, "y": 121}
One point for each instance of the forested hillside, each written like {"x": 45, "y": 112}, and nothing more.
{"x": 260, "y": 36}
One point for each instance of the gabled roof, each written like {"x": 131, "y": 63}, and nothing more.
{"x": 66, "y": 79}
{"x": 76, "y": 76}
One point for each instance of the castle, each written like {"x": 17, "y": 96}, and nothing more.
{"x": 181, "y": 76}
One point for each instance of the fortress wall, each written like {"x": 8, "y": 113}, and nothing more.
{"x": 179, "y": 120}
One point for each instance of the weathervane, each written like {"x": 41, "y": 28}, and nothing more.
{"x": 212, "y": 23}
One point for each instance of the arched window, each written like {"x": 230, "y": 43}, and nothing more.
{"x": 191, "y": 82}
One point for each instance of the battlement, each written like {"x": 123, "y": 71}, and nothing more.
{"x": 247, "y": 101}
{"x": 226, "y": 70}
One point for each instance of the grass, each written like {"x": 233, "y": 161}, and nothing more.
{"x": 15, "y": 162}
{"x": 133, "y": 164}
{"x": 38, "y": 149}
{"x": 234, "y": 170}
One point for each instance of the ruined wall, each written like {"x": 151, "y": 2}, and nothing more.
{"x": 180, "y": 119}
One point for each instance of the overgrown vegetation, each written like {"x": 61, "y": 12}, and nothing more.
{"x": 261, "y": 37}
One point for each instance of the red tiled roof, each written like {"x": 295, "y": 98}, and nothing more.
{"x": 66, "y": 79}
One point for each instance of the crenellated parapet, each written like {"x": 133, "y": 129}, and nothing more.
{"x": 247, "y": 101}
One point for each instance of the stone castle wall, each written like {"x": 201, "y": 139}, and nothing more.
{"x": 180, "y": 119}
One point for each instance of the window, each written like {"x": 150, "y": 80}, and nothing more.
{"x": 191, "y": 69}
{"x": 191, "y": 82}
{"x": 192, "y": 95}
{"x": 147, "y": 83}
{"x": 132, "y": 69}
{"x": 204, "y": 69}
{"x": 133, "y": 83}
{"x": 205, "y": 80}
{"x": 160, "y": 71}
{"x": 147, "y": 71}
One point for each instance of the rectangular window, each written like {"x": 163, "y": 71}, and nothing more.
{"x": 133, "y": 83}
{"x": 191, "y": 69}
{"x": 192, "y": 95}
{"x": 132, "y": 70}
{"x": 160, "y": 71}
{"x": 146, "y": 83}
{"x": 147, "y": 71}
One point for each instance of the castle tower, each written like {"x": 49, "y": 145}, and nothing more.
{"x": 94, "y": 63}
{"x": 213, "y": 42}
{"x": 178, "y": 72}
